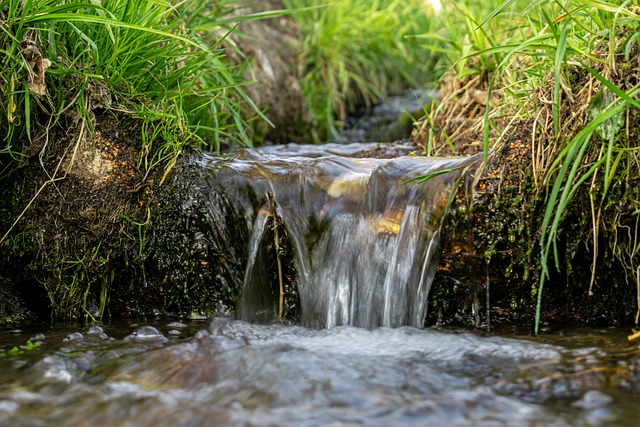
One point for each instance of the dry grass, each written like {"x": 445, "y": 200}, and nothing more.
{"x": 570, "y": 75}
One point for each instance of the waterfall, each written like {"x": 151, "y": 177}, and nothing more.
{"x": 365, "y": 241}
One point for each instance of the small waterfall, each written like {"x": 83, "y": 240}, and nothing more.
{"x": 256, "y": 304}
{"x": 366, "y": 242}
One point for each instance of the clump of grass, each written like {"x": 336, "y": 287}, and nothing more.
{"x": 61, "y": 61}
{"x": 591, "y": 39}
{"x": 568, "y": 70}
{"x": 66, "y": 65}
{"x": 356, "y": 52}
{"x": 471, "y": 51}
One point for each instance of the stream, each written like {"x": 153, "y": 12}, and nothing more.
{"x": 233, "y": 373}
{"x": 364, "y": 246}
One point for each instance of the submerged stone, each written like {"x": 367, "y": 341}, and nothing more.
{"x": 177, "y": 325}
{"x": 97, "y": 331}
{"x": 74, "y": 336}
{"x": 146, "y": 334}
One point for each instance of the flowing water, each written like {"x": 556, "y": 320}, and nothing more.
{"x": 365, "y": 245}
{"x": 233, "y": 373}
{"x": 365, "y": 241}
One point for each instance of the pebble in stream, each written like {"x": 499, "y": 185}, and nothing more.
{"x": 74, "y": 336}
{"x": 146, "y": 334}
{"x": 97, "y": 331}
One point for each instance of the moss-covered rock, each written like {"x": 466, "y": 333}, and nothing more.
{"x": 113, "y": 238}
{"x": 13, "y": 310}
{"x": 493, "y": 241}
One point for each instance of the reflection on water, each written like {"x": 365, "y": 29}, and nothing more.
{"x": 235, "y": 373}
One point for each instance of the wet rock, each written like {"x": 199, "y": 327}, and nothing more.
{"x": 389, "y": 121}
{"x": 356, "y": 149}
{"x": 593, "y": 399}
{"x": 177, "y": 325}
{"x": 217, "y": 325}
{"x": 96, "y": 331}
{"x": 12, "y": 307}
{"x": 74, "y": 336}
{"x": 146, "y": 334}
{"x": 7, "y": 408}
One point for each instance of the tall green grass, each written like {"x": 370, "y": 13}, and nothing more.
{"x": 463, "y": 29}
{"x": 577, "y": 59}
{"x": 356, "y": 52}
{"x": 590, "y": 35}
{"x": 159, "y": 60}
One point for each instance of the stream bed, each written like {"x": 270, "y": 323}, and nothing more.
{"x": 233, "y": 373}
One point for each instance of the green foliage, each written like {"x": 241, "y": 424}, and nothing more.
{"x": 586, "y": 35}
{"x": 576, "y": 59}
{"x": 355, "y": 52}
{"x": 61, "y": 60}
{"x": 462, "y": 30}
{"x": 30, "y": 346}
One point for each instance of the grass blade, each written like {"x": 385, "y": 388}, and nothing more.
{"x": 557, "y": 74}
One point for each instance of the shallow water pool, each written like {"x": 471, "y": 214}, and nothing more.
{"x": 233, "y": 373}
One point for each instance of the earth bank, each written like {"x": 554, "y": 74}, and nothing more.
{"x": 112, "y": 240}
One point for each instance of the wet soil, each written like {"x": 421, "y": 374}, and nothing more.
{"x": 109, "y": 239}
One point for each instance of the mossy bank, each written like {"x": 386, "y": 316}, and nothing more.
{"x": 116, "y": 243}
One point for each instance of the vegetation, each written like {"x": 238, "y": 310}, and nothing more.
{"x": 156, "y": 72}
{"x": 357, "y": 52}
{"x": 549, "y": 86}
{"x": 151, "y": 60}
{"x": 30, "y": 346}
{"x": 568, "y": 71}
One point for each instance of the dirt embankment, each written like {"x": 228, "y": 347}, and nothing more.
{"x": 271, "y": 47}
{"x": 92, "y": 233}
{"x": 492, "y": 244}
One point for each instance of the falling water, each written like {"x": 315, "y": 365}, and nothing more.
{"x": 365, "y": 248}
{"x": 366, "y": 241}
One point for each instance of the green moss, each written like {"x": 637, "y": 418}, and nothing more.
{"x": 500, "y": 243}
{"x": 13, "y": 310}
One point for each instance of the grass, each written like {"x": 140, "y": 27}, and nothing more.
{"x": 63, "y": 66}
{"x": 356, "y": 52}
{"x": 29, "y": 346}
{"x": 569, "y": 68}
{"x": 150, "y": 59}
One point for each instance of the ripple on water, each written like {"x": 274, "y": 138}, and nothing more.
{"x": 237, "y": 373}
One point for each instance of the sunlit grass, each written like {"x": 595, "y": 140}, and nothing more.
{"x": 570, "y": 67}
{"x": 356, "y": 52}
{"x": 151, "y": 59}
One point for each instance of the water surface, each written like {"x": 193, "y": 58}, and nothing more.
{"x": 233, "y": 373}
